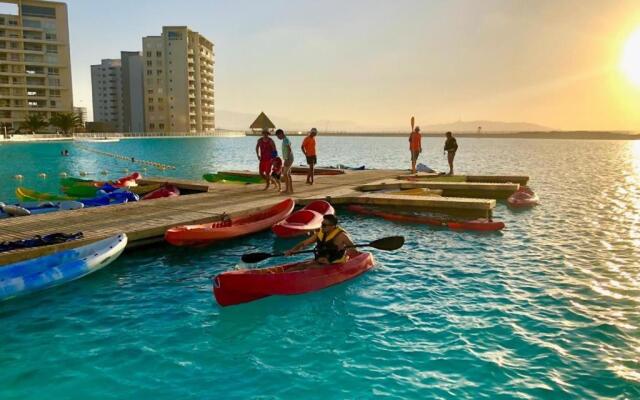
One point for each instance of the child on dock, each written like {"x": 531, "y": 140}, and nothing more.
{"x": 276, "y": 171}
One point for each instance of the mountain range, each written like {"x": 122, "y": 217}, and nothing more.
{"x": 232, "y": 120}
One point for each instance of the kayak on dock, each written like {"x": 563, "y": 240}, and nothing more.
{"x": 193, "y": 235}
{"x": 129, "y": 180}
{"x": 58, "y": 268}
{"x": 104, "y": 199}
{"x": 164, "y": 191}
{"x": 473, "y": 225}
{"x": 33, "y": 208}
{"x": 316, "y": 171}
{"x": 523, "y": 197}
{"x": 233, "y": 177}
{"x": 303, "y": 221}
{"x": 236, "y": 287}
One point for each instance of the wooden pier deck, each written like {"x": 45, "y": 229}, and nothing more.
{"x": 146, "y": 221}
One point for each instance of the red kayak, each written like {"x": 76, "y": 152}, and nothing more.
{"x": 191, "y": 235}
{"x": 235, "y": 287}
{"x": 321, "y": 207}
{"x": 474, "y": 225}
{"x": 164, "y": 191}
{"x": 304, "y": 221}
{"x": 297, "y": 224}
{"x": 523, "y": 197}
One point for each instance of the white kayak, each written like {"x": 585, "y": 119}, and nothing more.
{"x": 58, "y": 268}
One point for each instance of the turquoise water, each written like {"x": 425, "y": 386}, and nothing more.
{"x": 549, "y": 308}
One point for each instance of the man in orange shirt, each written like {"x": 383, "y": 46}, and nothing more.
{"x": 309, "y": 150}
{"x": 415, "y": 146}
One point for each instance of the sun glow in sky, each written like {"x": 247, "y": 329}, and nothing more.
{"x": 630, "y": 62}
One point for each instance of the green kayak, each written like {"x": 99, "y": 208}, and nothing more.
{"x": 230, "y": 177}
{"x": 25, "y": 194}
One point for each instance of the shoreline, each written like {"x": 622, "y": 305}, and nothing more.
{"x": 554, "y": 135}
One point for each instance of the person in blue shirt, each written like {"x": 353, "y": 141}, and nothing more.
{"x": 287, "y": 157}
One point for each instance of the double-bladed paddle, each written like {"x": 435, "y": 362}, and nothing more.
{"x": 388, "y": 244}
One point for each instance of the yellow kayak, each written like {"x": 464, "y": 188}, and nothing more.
{"x": 25, "y": 194}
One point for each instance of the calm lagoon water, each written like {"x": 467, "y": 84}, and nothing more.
{"x": 549, "y": 308}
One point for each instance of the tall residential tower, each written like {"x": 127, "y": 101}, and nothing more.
{"x": 106, "y": 93}
{"x": 178, "y": 82}
{"x": 35, "y": 68}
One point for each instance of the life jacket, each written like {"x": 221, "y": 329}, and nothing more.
{"x": 325, "y": 247}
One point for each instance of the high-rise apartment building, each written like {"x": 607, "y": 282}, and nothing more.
{"x": 132, "y": 91}
{"x": 35, "y": 68}
{"x": 106, "y": 93}
{"x": 178, "y": 82}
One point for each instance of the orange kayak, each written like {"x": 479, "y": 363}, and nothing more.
{"x": 192, "y": 235}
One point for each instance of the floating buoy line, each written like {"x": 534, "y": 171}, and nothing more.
{"x": 127, "y": 158}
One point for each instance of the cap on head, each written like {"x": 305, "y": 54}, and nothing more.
{"x": 313, "y": 131}
{"x": 417, "y": 129}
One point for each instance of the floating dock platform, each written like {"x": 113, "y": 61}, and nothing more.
{"x": 145, "y": 222}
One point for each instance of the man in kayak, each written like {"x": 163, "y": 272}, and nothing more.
{"x": 415, "y": 146}
{"x": 309, "y": 150}
{"x": 450, "y": 147}
{"x": 332, "y": 244}
{"x": 264, "y": 150}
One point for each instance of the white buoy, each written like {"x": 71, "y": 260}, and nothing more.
{"x": 63, "y": 174}
{"x": 103, "y": 172}
{"x": 18, "y": 177}
{"x": 125, "y": 170}
{"x": 82, "y": 173}
{"x": 42, "y": 175}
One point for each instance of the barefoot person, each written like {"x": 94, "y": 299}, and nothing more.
{"x": 309, "y": 150}
{"x": 450, "y": 147}
{"x": 415, "y": 146}
{"x": 264, "y": 150}
{"x": 287, "y": 157}
{"x": 276, "y": 171}
{"x": 332, "y": 245}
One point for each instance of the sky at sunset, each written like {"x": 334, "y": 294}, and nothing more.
{"x": 375, "y": 63}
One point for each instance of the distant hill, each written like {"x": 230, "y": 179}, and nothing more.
{"x": 487, "y": 126}
{"x": 240, "y": 121}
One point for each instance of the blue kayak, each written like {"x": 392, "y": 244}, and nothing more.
{"x": 43, "y": 207}
{"x": 58, "y": 268}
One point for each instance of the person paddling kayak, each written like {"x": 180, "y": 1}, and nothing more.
{"x": 332, "y": 244}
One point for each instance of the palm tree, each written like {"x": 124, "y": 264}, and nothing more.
{"x": 67, "y": 122}
{"x": 34, "y": 122}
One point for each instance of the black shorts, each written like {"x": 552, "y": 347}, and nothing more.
{"x": 277, "y": 176}
{"x": 312, "y": 160}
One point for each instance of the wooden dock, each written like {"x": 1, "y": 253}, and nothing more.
{"x": 146, "y": 221}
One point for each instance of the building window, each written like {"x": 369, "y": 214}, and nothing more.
{"x": 51, "y": 36}
{"x": 149, "y": 54}
{"x": 149, "y": 63}
{"x": 149, "y": 72}
{"x": 158, "y": 54}
{"x": 150, "y": 108}
{"x": 159, "y": 72}
{"x": 150, "y": 99}
{"x": 150, "y": 91}
{"x": 152, "y": 126}
{"x": 40, "y": 12}
{"x": 161, "y": 126}
{"x": 52, "y": 103}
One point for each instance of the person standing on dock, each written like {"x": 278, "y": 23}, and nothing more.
{"x": 415, "y": 146}
{"x": 450, "y": 147}
{"x": 287, "y": 156}
{"x": 264, "y": 150}
{"x": 309, "y": 150}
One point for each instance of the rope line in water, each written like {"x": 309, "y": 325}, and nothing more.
{"x": 127, "y": 158}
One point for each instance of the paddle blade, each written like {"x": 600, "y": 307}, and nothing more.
{"x": 255, "y": 257}
{"x": 388, "y": 243}
{"x": 413, "y": 122}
